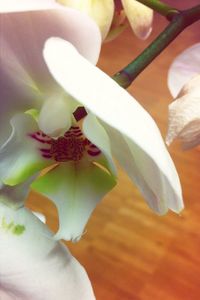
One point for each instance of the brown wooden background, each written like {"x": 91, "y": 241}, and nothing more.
{"x": 128, "y": 251}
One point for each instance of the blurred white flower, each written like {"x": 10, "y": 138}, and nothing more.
{"x": 184, "y": 111}
{"x": 184, "y": 67}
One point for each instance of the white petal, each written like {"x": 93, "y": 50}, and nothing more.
{"x": 184, "y": 67}
{"x": 140, "y": 17}
{"x": 18, "y": 92}
{"x": 75, "y": 189}
{"x": 134, "y": 166}
{"x": 96, "y": 134}
{"x": 33, "y": 265}
{"x": 52, "y": 20}
{"x": 116, "y": 107}
{"x": 20, "y": 156}
{"x": 190, "y": 134}
{"x": 184, "y": 115}
{"x": 101, "y": 11}
{"x": 24, "y": 78}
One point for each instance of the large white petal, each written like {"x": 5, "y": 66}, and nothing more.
{"x": 135, "y": 167}
{"x": 75, "y": 189}
{"x": 33, "y": 265}
{"x": 116, "y": 107}
{"x": 185, "y": 66}
{"x": 24, "y": 76}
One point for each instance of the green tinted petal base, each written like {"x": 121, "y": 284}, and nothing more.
{"x": 20, "y": 157}
{"x": 76, "y": 189}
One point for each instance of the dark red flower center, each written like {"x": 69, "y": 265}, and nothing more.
{"x": 70, "y": 147}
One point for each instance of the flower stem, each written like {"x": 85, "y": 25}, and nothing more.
{"x": 160, "y": 7}
{"x": 179, "y": 22}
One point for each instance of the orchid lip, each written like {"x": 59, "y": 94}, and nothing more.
{"x": 72, "y": 146}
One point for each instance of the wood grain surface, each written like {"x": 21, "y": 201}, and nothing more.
{"x": 129, "y": 252}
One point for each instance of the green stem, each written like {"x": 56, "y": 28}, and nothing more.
{"x": 160, "y": 7}
{"x": 180, "y": 21}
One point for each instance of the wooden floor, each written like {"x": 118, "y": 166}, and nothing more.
{"x": 128, "y": 251}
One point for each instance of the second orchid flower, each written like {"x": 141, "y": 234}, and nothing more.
{"x": 111, "y": 15}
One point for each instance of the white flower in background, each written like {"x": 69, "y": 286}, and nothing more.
{"x": 139, "y": 16}
{"x": 184, "y": 115}
{"x": 185, "y": 66}
{"x": 35, "y": 266}
{"x": 46, "y": 133}
{"x": 184, "y": 112}
{"x": 110, "y": 12}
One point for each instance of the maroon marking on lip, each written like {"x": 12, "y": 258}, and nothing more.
{"x": 76, "y": 130}
{"x": 87, "y": 142}
{"x": 69, "y": 147}
{"x": 46, "y": 156}
{"x": 92, "y": 153}
{"x": 75, "y": 127}
{"x": 45, "y": 150}
{"x": 78, "y": 134}
{"x": 93, "y": 146}
{"x": 34, "y": 136}
{"x": 72, "y": 133}
{"x": 38, "y": 136}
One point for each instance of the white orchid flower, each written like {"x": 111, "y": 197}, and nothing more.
{"x": 32, "y": 264}
{"x": 110, "y": 12}
{"x": 134, "y": 137}
{"x": 184, "y": 112}
{"x": 44, "y": 133}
